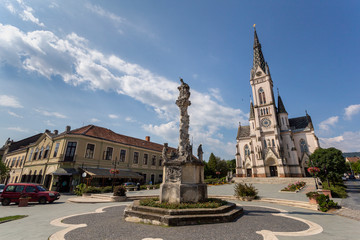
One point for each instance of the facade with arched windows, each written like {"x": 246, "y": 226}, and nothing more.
{"x": 272, "y": 145}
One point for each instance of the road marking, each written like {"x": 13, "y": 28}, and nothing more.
{"x": 314, "y": 228}
{"x": 60, "y": 235}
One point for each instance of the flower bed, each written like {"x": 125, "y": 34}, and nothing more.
{"x": 295, "y": 187}
{"x": 209, "y": 203}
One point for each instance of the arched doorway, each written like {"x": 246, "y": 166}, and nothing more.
{"x": 272, "y": 167}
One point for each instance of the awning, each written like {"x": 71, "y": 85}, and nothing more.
{"x": 105, "y": 173}
{"x": 65, "y": 171}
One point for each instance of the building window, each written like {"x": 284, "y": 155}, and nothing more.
{"x": 146, "y": 157}
{"x": 122, "y": 155}
{"x": 303, "y": 146}
{"x": 17, "y": 162}
{"x": 46, "y": 153}
{"x": 153, "y": 160}
{"x": 35, "y": 154}
{"x": 136, "y": 158}
{"x": 41, "y": 152}
{"x": 56, "y": 149}
{"x": 160, "y": 161}
{"x": 282, "y": 119}
{"x": 265, "y": 146}
{"x": 70, "y": 151}
{"x": 90, "y": 150}
{"x": 109, "y": 152}
{"x": 262, "y": 96}
{"x": 273, "y": 142}
{"x": 31, "y": 153}
{"x": 21, "y": 162}
{"x": 247, "y": 151}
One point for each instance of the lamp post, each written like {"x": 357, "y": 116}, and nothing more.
{"x": 114, "y": 163}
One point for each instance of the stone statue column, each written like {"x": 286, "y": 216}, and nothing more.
{"x": 184, "y": 149}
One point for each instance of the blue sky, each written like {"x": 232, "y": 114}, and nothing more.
{"x": 117, "y": 64}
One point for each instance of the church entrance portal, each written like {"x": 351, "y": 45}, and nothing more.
{"x": 248, "y": 172}
{"x": 273, "y": 171}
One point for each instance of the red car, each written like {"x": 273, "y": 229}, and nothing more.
{"x": 36, "y": 193}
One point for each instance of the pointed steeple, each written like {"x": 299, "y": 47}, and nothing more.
{"x": 281, "y": 107}
{"x": 252, "y": 112}
{"x": 258, "y": 59}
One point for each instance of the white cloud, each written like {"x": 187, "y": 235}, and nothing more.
{"x": 71, "y": 58}
{"x": 24, "y": 12}
{"x": 50, "y": 114}
{"x": 215, "y": 92}
{"x": 347, "y": 142}
{"x": 49, "y": 123}
{"x": 113, "y": 116}
{"x": 168, "y": 131}
{"x": 103, "y": 13}
{"x": 94, "y": 120}
{"x": 9, "y": 101}
{"x": 326, "y": 124}
{"x": 17, "y": 129}
{"x": 14, "y": 114}
{"x": 351, "y": 111}
{"x": 130, "y": 119}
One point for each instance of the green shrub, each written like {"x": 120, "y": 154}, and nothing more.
{"x": 92, "y": 189}
{"x": 244, "y": 190}
{"x": 119, "y": 191}
{"x": 143, "y": 187}
{"x": 106, "y": 189}
{"x": 337, "y": 191}
{"x": 209, "y": 203}
{"x": 325, "y": 203}
{"x": 312, "y": 194}
{"x": 79, "y": 189}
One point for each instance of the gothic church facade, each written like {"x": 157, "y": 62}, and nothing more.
{"x": 272, "y": 145}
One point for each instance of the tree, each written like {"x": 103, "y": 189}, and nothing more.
{"x": 214, "y": 165}
{"x": 4, "y": 171}
{"x": 331, "y": 163}
{"x": 231, "y": 165}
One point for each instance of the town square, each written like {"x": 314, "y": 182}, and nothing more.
{"x": 160, "y": 120}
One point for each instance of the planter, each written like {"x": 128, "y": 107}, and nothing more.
{"x": 23, "y": 202}
{"x": 325, "y": 192}
{"x": 313, "y": 201}
{"x": 247, "y": 198}
{"x": 119, "y": 198}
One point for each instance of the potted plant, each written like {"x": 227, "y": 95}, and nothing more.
{"x": 119, "y": 194}
{"x": 24, "y": 200}
{"x": 245, "y": 192}
{"x": 312, "y": 197}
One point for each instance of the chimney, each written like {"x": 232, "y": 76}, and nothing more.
{"x": 147, "y": 138}
{"x": 56, "y": 132}
{"x": 68, "y": 129}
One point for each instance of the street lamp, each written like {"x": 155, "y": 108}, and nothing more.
{"x": 114, "y": 171}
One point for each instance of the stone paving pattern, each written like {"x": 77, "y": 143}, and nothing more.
{"x": 111, "y": 225}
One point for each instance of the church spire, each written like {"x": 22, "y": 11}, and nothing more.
{"x": 252, "y": 112}
{"x": 281, "y": 107}
{"x": 258, "y": 59}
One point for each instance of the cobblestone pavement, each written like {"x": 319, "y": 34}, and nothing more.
{"x": 111, "y": 225}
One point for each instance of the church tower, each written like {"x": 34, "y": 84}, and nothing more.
{"x": 272, "y": 145}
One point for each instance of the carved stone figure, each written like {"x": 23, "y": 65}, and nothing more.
{"x": 164, "y": 152}
{"x": 200, "y": 152}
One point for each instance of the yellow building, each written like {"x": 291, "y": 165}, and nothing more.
{"x": 87, "y": 154}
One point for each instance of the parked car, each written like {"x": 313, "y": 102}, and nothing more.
{"x": 129, "y": 184}
{"x": 36, "y": 193}
{"x": 2, "y": 186}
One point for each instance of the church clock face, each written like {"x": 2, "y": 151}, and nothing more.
{"x": 265, "y": 122}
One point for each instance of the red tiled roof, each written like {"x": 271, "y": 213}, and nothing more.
{"x": 352, "y": 159}
{"x": 107, "y": 134}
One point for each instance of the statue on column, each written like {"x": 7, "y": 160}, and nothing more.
{"x": 200, "y": 153}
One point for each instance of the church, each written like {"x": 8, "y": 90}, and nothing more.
{"x": 272, "y": 145}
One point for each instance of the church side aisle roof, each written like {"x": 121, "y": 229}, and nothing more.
{"x": 298, "y": 123}
{"x": 243, "y": 131}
